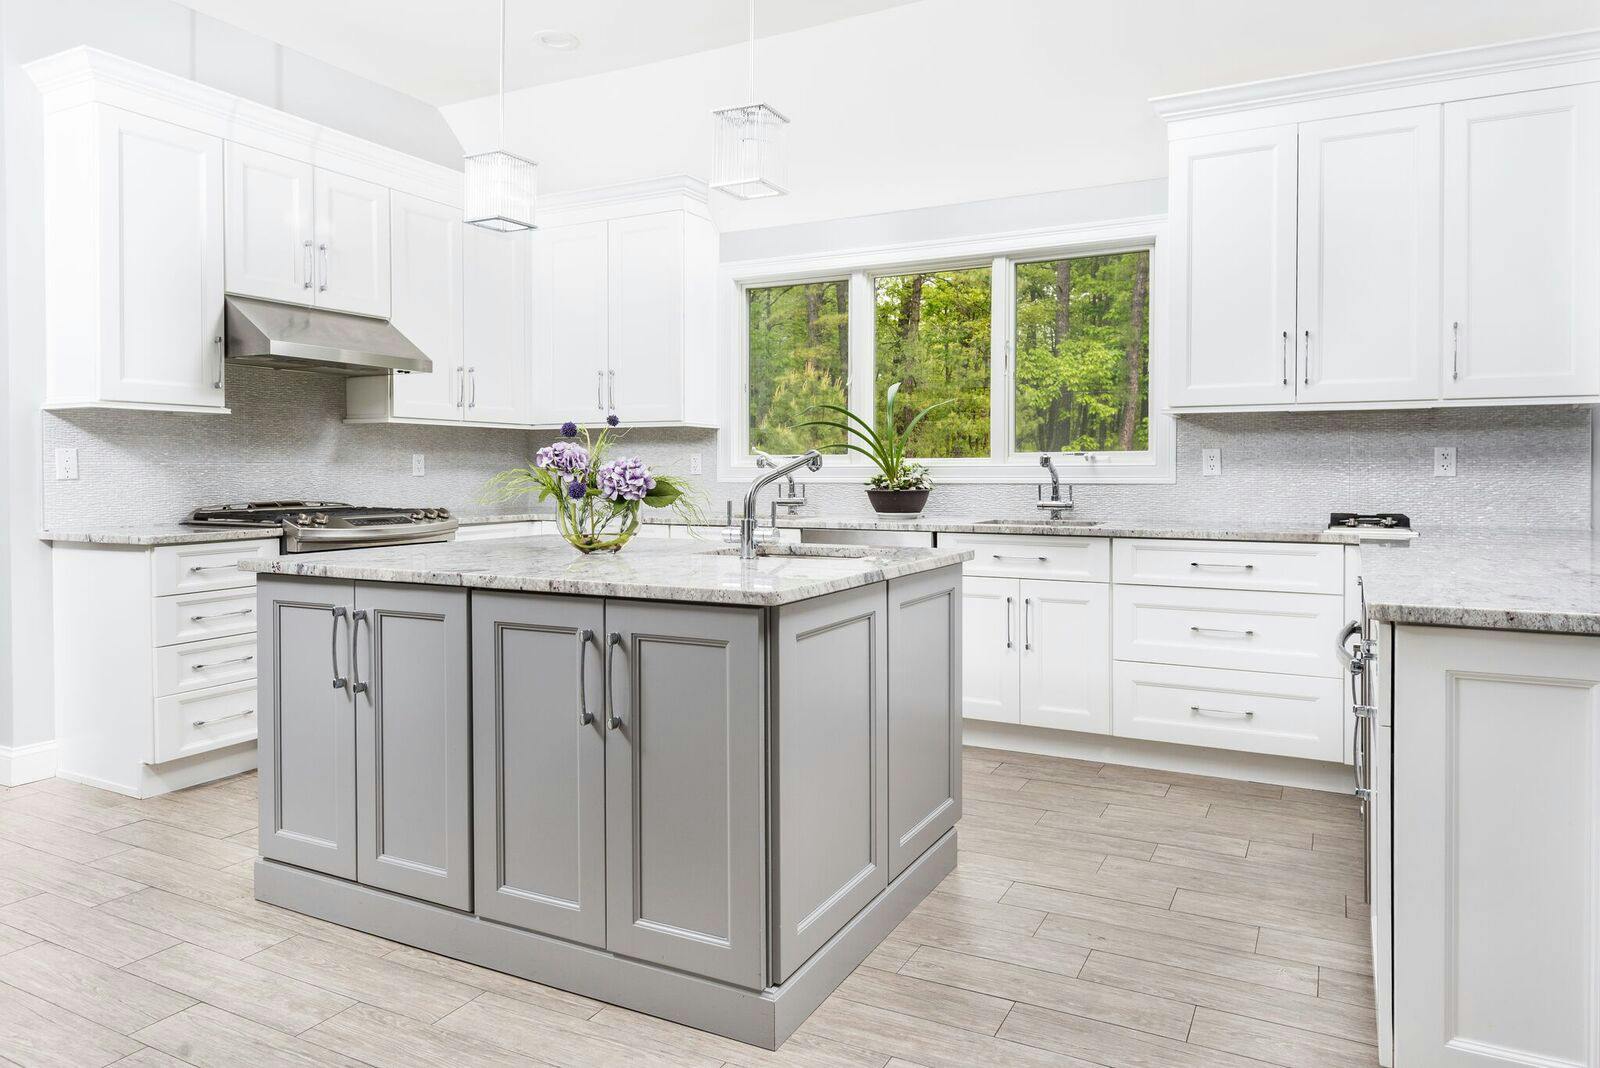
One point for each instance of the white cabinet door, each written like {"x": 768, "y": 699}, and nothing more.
{"x": 497, "y": 293}
{"x": 270, "y": 226}
{"x": 352, "y": 244}
{"x": 161, "y": 229}
{"x": 570, "y": 323}
{"x": 1233, "y": 268}
{"x": 645, "y": 374}
{"x": 427, "y": 305}
{"x": 1522, "y": 245}
{"x": 1066, "y": 655}
{"x": 990, "y": 646}
{"x": 1368, "y": 308}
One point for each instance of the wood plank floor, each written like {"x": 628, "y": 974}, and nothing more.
{"x": 1099, "y": 915}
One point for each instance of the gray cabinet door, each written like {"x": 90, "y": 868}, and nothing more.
{"x": 413, "y": 764}
{"x": 684, "y": 789}
{"x": 830, "y": 767}
{"x": 924, "y": 712}
{"x": 306, "y": 747}
{"x": 539, "y": 769}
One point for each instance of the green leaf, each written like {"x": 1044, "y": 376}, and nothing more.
{"x": 664, "y": 494}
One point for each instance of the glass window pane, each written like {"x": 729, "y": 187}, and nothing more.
{"x": 799, "y": 357}
{"x": 933, "y": 338}
{"x": 1083, "y": 354}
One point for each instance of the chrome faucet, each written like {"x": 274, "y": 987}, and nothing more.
{"x": 1055, "y": 505}
{"x": 793, "y": 497}
{"x": 750, "y": 522}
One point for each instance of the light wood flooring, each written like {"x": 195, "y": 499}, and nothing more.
{"x": 1100, "y": 915}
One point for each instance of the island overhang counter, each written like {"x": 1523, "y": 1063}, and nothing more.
{"x": 696, "y": 786}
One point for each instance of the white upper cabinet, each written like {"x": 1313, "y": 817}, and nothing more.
{"x": 1233, "y": 268}
{"x": 570, "y": 323}
{"x": 271, "y": 228}
{"x": 133, "y": 262}
{"x": 496, "y": 339}
{"x": 645, "y": 371}
{"x": 352, "y": 244}
{"x": 427, "y": 284}
{"x": 1522, "y": 244}
{"x": 1368, "y": 306}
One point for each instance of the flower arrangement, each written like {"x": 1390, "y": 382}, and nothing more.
{"x": 598, "y": 500}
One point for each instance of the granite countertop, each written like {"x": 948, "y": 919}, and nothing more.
{"x": 153, "y": 534}
{"x": 647, "y": 569}
{"x": 1515, "y": 580}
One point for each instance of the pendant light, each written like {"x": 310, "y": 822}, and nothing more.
{"x": 747, "y": 160}
{"x": 500, "y": 186}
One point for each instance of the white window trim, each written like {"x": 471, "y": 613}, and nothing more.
{"x": 1156, "y": 464}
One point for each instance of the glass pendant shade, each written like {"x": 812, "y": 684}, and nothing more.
{"x": 501, "y": 189}
{"x": 748, "y": 156}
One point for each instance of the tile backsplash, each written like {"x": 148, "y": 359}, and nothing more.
{"x": 1517, "y": 467}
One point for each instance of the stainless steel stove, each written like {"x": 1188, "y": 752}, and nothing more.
{"x": 317, "y": 526}
{"x": 1379, "y": 526}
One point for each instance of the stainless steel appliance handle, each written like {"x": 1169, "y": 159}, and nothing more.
{"x": 1223, "y": 630}
{"x": 358, "y": 535}
{"x": 1201, "y": 710}
{"x": 308, "y": 281}
{"x": 1286, "y": 357}
{"x": 585, "y": 717}
{"x": 613, "y": 721}
{"x": 223, "y": 719}
{"x": 1027, "y": 623}
{"x": 222, "y": 663}
{"x": 356, "y": 619}
{"x": 1009, "y": 603}
{"x": 1222, "y": 567}
{"x": 339, "y": 681}
{"x": 322, "y": 255}
{"x": 221, "y": 615}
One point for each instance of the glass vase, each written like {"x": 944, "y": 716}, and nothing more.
{"x": 589, "y": 529}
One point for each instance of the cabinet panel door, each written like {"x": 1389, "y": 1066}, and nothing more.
{"x": 570, "y": 323}
{"x": 1522, "y": 245}
{"x": 1066, "y": 655}
{"x": 307, "y": 724}
{"x": 924, "y": 712}
{"x": 989, "y": 649}
{"x": 645, "y": 376}
{"x": 413, "y": 774}
{"x": 352, "y": 244}
{"x": 163, "y": 222}
{"x": 830, "y": 768}
{"x": 427, "y": 305}
{"x": 539, "y": 770}
{"x": 1233, "y": 268}
{"x": 1368, "y": 309}
{"x": 497, "y": 294}
{"x": 270, "y": 226}
{"x": 685, "y": 790}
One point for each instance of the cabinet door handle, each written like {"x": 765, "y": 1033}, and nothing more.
{"x": 196, "y": 569}
{"x": 222, "y": 354}
{"x": 611, "y": 390}
{"x": 221, "y": 615}
{"x": 223, "y": 719}
{"x": 1027, "y": 624}
{"x": 322, "y": 254}
{"x": 1009, "y": 603}
{"x": 1223, "y": 630}
{"x": 356, "y": 619}
{"x": 461, "y": 388}
{"x": 614, "y": 721}
{"x": 1308, "y": 358}
{"x": 307, "y": 283}
{"x": 222, "y": 663}
{"x": 585, "y": 717}
{"x": 1029, "y": 559}
{"x": 339, "y": 681}
{"x": 1222, "y": 567}
{"x": 599, "y": 390}
{"x": 1197, "y": 710}
{"x": 1455, "y": 351}
{"x": 472, "y": 383}
{"x": 1286, "y": 357}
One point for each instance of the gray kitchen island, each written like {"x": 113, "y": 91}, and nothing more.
{"x": 700, "y": 787}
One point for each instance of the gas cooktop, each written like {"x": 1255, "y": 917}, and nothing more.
{"x": 310, "y": 526}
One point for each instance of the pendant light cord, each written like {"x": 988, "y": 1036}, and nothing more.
{"x": 750, "y": 56}
{"x": 503, "y": 73}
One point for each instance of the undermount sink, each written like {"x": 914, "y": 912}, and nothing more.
{"x": 1039, "y": 519}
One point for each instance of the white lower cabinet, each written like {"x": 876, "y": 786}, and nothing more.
{"x": 990, "y": 680}
{"x": 1250, "y": 711}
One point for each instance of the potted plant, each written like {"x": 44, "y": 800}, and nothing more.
{"x": 901, "y": 487}
{"x": 597, "y": 500}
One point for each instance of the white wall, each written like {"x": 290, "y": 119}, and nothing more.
{"x": 947, "y": 101}
{"x": 173, "y": 38}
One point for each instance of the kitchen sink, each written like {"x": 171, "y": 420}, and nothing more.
{"x": 1040, "y": 519}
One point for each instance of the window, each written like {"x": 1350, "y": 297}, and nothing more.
{"x": 931, "y": 334}
{"x": 799, "y": 357}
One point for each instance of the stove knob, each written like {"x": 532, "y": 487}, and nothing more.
{"x": 320, "y": 519}
{"x": 433, "y": 513}
{"x": 302, "y": 518}
{"x": 418, "y": 516}
{"x": 444, "y": 513}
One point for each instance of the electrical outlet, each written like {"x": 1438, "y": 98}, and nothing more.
{"x": 418, "y": 468}
{"x": 1444, "y": 462}
{"x": 695, "y": 467}
{"x": 1210, "y": 462}
{"x": 66, "y": 465}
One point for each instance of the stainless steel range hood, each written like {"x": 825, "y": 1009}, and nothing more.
{"x": 289, "y": 337}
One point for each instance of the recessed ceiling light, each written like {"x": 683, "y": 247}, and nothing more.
{"x": 559, "y": 40}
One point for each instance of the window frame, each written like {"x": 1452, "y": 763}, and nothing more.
{"x": 1000, "y": 253}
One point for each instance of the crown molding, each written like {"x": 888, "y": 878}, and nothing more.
{"x": 85, "y": 75}
{"x": 1479, "y": 61}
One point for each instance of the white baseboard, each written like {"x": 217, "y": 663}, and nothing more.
{"x": 1162, "y": 756}
{"x": 27, "y": 763}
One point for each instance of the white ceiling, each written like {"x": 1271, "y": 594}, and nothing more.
{"x": 444, "y": 51}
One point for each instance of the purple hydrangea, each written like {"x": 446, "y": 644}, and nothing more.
{"x": 625, "y": 480}
{"x": 576, "y": 489}
{"x": 567, "y": 459}
{"x": 569, "y": 429}
{"x": 612, "y": 420}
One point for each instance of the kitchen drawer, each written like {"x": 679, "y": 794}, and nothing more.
{"x": 206, "y": 566}
{"x": 497, "y": 531}
{"x": 1250, "y": 711}
{"x": 1229, "y": 565}
{"x": 1247, "y": 630}
{"x": 198, "y": 722}
{"x": 1026, "y": 556}
{"x": 198, "y": 665}
{"x": 190, "y": 617}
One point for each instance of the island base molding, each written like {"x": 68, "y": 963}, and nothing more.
{"x": 762, "y": 1018}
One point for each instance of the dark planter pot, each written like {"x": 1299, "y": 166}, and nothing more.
{"x": 903, "y": 504}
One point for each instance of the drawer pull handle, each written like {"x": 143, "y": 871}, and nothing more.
{"x": 222, "y": 663}
{"x": 1030, "y": 559}
{"x": 196, "y": 569}
{"x": 1222, "y": 567}
{"x": 221, "y": 615}
{"x": 1200, "y": 711}
{"x": 1223, "y": 630}
{"x": 224, "y": 719}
